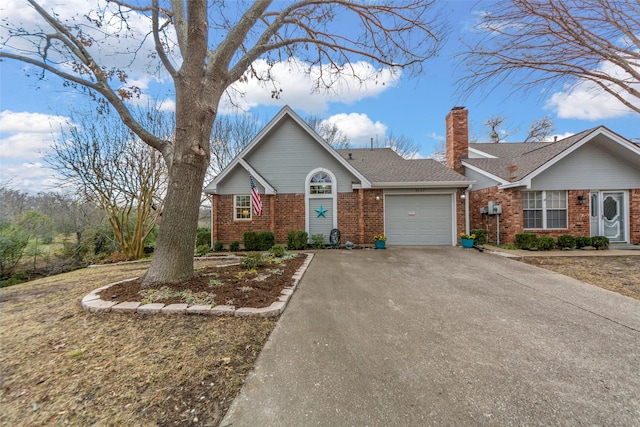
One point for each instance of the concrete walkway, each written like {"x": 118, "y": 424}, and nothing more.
{"x": 444, "y": 336}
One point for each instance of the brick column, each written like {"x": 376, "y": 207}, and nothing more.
{"x": 272, "y": 213}
{"x": 214, "y": 217}
{"x": 361, "y": 215}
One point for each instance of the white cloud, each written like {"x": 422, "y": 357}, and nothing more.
{"x": 26, "y": 138}
{"x": 559, "y": 136}
{"x": 585, "y": 100}
{"x": 298, "y": 82}
{"x": 28, "y": 135}
{"x": 359, "y": 128}
{"x": 28, "y": 177}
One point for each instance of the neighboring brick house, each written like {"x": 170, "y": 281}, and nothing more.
{"x": 586, "y": 185}
{"x": 305, "y": 184}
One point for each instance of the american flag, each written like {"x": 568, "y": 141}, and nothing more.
{"x": 255, "y": 198}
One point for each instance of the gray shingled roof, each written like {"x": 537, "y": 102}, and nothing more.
{"x": 380, "y": 165}
{"x": 517, "y": 160}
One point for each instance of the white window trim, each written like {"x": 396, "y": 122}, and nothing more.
{"x": 235, "y": 207}
{"x": 544, "y": 210}
{"x": 308, "y": 195}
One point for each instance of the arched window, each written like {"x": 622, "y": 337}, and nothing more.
{"x": 320, "y": 183}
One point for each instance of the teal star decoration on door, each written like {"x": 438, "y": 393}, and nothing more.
{"x": 321, "y": 212}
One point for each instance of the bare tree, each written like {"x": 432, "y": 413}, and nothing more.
{"x": 230, "y": 134}
{"x": 107, "y": 163}
{"x": 540, "y": 130}
{"x": 402, "y": 144}
{"x": 542, "y": 43}
{"x": 205, "y": 47}
{"x": 330, "y": 132}
{"x": 497, "y": 131}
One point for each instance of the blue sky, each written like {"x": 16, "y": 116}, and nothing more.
{"x": 32, "y": 110}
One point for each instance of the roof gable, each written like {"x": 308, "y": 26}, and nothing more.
{"x": 286, "y": 113}
{"x": 517, "y": 163}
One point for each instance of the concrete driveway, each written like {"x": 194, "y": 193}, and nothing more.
{"x": 444, "y": 336}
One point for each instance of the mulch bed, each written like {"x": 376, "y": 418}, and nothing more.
{"x": 230, "y": 285}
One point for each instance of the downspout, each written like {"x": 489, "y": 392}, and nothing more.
{"x": 467, "y": 221}
{"x": 211, "y": 223}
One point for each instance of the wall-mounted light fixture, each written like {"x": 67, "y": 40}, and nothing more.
{"x": 463, "y": 196}
{"x": 581, "y": 200}
{"x": 378, "y": 197}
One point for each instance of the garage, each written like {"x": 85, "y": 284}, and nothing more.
{"x": 419, "y": 219}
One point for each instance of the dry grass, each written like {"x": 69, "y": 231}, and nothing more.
{"x": 619, "y": 274}
{"x": 61, "y": 365}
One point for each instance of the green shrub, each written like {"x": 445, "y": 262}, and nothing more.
{"x": 545, "y": 243}
{"x": 600, "y": 242}
{"x": 252, "y": 260}
{"x": 481, "y": 235}
{"x": 203, "y": 236}
{"x": 218, "y": 246}
{"x": 250, "y": 240}
{"x": 583, "y": 241}
{"x": 508, "y": 246}
{"x": 317, "y": 241}
{"x": 297, "y": 240}
{"x": 203, "y": 250}
{"x": 526, "y": 240}
{"x": 266, "y": 240}
{"x": 234, "y": 246}
{"x": 278, "y": 250}
{"x": 566, "y": 241}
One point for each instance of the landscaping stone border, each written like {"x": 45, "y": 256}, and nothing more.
{"x": 93, "y": 303}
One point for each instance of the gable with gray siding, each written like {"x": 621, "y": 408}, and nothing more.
{"x": 285, "y": 157}
{"x": 590, "y": 167}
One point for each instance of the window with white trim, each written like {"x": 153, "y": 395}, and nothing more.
{"x": 544, "y": 209}
{"x": 320, "y": 184}
{"x": 242, "y": 207}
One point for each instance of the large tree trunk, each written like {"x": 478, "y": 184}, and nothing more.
{"x": 173, "y": 256}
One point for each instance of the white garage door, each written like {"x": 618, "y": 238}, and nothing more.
{"x": 419, "y": 219}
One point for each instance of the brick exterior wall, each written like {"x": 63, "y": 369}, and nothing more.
{"x": 634, "y": 215}
{"x": 457, "y": 124}
{"x": 360, "y": 217}
{"x": 511, "y": 221}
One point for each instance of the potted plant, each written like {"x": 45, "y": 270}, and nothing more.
{"x": 380, "y": 240}
{"x": 467, "y": 240}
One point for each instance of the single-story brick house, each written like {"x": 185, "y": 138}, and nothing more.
{"x": 586, "y": 185}
{"x": 305, "y": 184}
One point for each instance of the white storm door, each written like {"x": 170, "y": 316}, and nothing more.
{"x": 613, "y": 219}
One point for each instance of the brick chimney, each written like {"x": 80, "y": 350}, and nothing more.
{"x": 457, "y": 138}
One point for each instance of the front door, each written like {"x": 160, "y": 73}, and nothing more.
{"x": 608, "y": 215}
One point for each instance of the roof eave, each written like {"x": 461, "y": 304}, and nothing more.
{"x": 422, "y": 184}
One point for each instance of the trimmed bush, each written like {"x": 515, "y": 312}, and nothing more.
{"x": 259, "y": 241}
{"x": 278, "y": 250}
{"x": 599, "y": 242}
{"x": 203, "y": 236}
{"x": 481, "y": 235}
{"x": 317, "y": 241}
{"x": 297, "y": 240}
{"x": 583, "y": 242}
{"x": 545, "y": 243}
{"x": 266, "y": 240}
{"x": 218, "y": 246}
{"x": 250, "y": 240}
{"x": 566, "y": 241}
{"x": 526, "y": 240}
{"x": 234, "y": 246}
